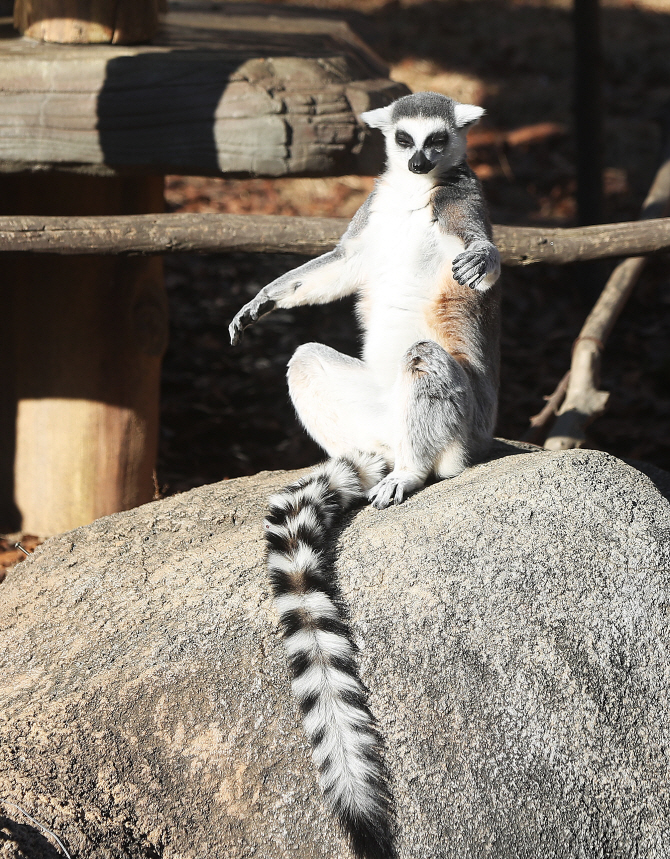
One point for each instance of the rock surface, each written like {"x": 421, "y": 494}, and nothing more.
{"x": 513, "y": 626}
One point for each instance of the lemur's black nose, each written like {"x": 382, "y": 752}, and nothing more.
{"x": 418, "y": 163}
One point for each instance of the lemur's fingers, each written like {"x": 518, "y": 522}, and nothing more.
{"x": 468, "y": 262}
{"x": 471, "y": 277}
{"x": 393, "y": 489}
{"x": 469, "y": 268}
{"x": 249, "y": 314}
{"x": 235, "y": 329}
{"x": 473, "y": 280}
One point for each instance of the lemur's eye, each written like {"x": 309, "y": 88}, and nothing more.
{"x": 438, "y": 140}
{"x": 402, "y": 138}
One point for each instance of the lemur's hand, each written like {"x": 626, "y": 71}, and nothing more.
{"x": 473, "y": 266}
{"x": 250, "y": 313}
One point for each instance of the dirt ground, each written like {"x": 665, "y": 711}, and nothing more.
{"x": 226, "y": 411}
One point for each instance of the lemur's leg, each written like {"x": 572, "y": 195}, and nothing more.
{"x": 338, "y": 401}
{"x": 430, "y": 412}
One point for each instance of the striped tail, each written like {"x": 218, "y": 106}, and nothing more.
{"x": 346, "y": 746}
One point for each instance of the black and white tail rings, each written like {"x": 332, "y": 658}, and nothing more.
{"x": 346, "y": 746}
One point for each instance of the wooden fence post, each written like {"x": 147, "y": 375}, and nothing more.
{"x": 81, "y": 365}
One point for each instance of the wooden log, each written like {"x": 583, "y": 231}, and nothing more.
{"x": 119, "y": 22}
{"x": 529, "y": 245}
{"x": 80, "y": 365}
{"x": 227, "y": 90}
{"x": 213, "y": 233}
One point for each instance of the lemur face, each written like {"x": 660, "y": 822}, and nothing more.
{"x": 425, "y": 132}
{"x": 424, "y": 143}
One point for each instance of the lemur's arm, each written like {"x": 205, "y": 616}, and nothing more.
{"x": 319, "y": 281}
{"x": 460, "y": 209}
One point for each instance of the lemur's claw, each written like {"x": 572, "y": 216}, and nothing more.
{"x": 249, "y": 314}
{"x": 236, "y": 329}
{"x": 393, "y": 489}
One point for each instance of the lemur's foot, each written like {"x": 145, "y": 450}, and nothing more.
{"x": 472, "y": 267}
{"x": 249, "y": 314}
{"x": 393, "y": 489}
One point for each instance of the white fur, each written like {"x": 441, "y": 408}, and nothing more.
{"x": 305, "y": 517}
{"x": 409, "y": 256}
{"x": 315, "y": 641}
{"x": 337, "y": 395}
{"x": 378, "y": 118}
{"x": 453, "y": 460}
{"x": 280, "y": 562}
{"x": 311, "y": 493}
{"x": 344, "y": 743}
{"x": 315, "y": 603}
{"x": 467, "y": 114}
{"x": 343, "y": 481}
{"x": 311, "y": 681}
{"x": 279, "y": 530}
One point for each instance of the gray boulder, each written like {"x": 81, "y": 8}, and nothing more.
{"x": 513, "y": 632}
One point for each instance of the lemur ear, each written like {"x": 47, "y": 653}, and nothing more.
{"x": 467, "y": 114}
{"x": 378, "y": 118}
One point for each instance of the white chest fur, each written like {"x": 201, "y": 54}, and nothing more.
{"x": 406, "y": 258}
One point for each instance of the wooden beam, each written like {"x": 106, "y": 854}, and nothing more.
{"x": 222, "y": 89}
{"x": 529, "y": 245}
{"x": 212, "y": 233}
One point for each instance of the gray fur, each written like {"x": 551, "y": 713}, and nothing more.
{"x": 433, "y": 105}
{"x": 426, "y": 104}
{"x": 460, "y": 209}
{"x": 439, "y": 409}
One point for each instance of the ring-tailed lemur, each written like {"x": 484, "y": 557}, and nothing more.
{"x": 421, "y": 400}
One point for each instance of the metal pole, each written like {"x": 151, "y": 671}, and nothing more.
{"x": 588, "y": 111}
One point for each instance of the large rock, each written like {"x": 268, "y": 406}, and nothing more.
{"x": 513, "y": 626}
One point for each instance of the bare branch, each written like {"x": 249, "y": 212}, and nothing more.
{"x": 583, "y": 401}
{"x": 211, "y": 233}
{"x": 528, "y": 245}
{"x": 542, "y": 418}
{"x": 177, "y": 233}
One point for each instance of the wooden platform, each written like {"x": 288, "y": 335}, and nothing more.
{"x": 237, "y": 89}
{"x": 223, "y": 89}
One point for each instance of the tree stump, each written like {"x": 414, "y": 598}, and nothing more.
{"x": 123, "y": 22}
{"x": 81, "y": 364}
